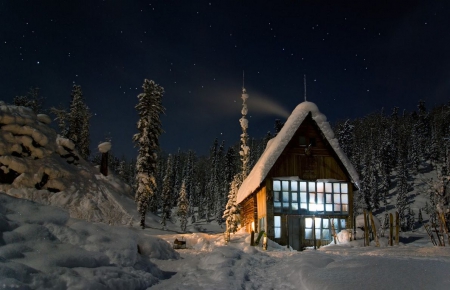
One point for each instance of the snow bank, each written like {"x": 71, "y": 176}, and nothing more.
{"x": 42, "y": 248}
{"x": 276, "y": 146}
{"x": 37, "y": 164}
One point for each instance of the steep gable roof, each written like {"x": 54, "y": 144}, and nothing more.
{"x": 276, "y": 146}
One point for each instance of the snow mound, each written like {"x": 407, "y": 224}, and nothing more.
{"x": 276, "y": 146}
{"x": 43, "y": 248}
{"x": 104, "y": 147}
{"x": 39, "y": 165}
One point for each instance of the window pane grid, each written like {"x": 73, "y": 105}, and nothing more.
{"x": 302, "y": 197}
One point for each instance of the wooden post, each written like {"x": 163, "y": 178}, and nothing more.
{"x": 104, "y": 164}
{"x": 333, "y": 230}
{"x": 374, "y": 230}
{"x": 397, "y": 228}
{"x": 252, "y": 239}
{"x": 391, "y": 229}
{"x": 444, "y": 227}
{"x": 366, "y": 230}
{"x": 438, "y": 235}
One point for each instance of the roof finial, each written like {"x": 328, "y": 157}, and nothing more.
{"x": 243, "y": 83}
{"x": 304, "y": 85}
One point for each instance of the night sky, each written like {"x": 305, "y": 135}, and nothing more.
{"x": 358, "y": 57}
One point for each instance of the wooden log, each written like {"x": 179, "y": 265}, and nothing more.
{"x": 366, "y": 230}
{"x": 374, "y": 230}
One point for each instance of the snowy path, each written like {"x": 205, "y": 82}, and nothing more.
{"x": 237, "y": 266}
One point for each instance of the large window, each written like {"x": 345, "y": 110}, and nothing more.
{"x": 321, "y": 227}
{"x": 303, "y": 197}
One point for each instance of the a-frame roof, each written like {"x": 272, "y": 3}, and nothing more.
{"x": 276, "y": 146}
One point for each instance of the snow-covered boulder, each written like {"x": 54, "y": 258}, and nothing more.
{"x": 38, "y": 164}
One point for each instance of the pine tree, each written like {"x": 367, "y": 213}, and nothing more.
{"x": 183, "y": 207}
{"x": 85, "y": 134}
{"x": 32, "y": 100}
{"x": 402, "y": 193}
{"x": 231, "y": 213}
{"x": 149, "y": 128}
{"x": 61, "y": 117}
{"x": 345, "y": 138}
{"x": 78, "y": 121}
{"x": 420, "y": 218}
{"x": 167, "y": 189}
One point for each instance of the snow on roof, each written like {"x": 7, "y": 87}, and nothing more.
{"x": 276, "y": 146}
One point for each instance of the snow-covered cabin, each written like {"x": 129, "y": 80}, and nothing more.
{"x": 301, "y": 183}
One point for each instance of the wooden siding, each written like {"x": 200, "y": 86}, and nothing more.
{"x": 249, "y": 213}
{"x": 321, "y": 163}
{"x": 262, "y": 204}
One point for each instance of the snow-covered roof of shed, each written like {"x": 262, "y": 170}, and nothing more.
{"x": 276, "y": 146}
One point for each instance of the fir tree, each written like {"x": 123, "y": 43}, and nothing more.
{"x": 167, "y": 189}
{"x": 61, "y": 118}
{"x": 32, "y": 100}
{"x": 345, "y": 138}
{"x": 183, "y": 207}
{"x": 231, "y": 213}
{"x": 149, "y": 128}
{"x": 78, "y": 121}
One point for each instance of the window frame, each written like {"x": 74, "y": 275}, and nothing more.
{"x": 310, "y": 197}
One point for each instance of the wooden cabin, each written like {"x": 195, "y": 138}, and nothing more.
{"x": 302, "y": 185}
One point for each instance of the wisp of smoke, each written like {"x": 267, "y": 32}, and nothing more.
{"x": 261, "y": 104}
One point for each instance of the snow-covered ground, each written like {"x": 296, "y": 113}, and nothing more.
{"x": 42, "y": 248}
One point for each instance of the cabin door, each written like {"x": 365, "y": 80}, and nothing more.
{"x": 295, "y": 232}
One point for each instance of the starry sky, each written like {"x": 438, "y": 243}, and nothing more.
{"x": 358, "y": 56}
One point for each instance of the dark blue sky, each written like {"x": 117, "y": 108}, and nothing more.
{"x": 358, "y": 56}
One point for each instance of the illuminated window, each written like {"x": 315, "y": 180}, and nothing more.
{"x": 303, "y": 197}
{"x": 277, "y": 226}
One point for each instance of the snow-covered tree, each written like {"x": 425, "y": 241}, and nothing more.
{"x": 183, "y": 207}
{"x": 345, "y": 137}
{"x": 78, "y": 121}
{"x": 402, "y": 193}
{"x": 167, "y": 188}
{"x": 84, "y": 142}
{"x": 231, "y": 213}
{"x": 32, "y": 100}
{"x": 61, "y": 118}
{"x": 149, "y": 128}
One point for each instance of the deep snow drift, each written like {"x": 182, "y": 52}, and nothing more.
{"x": 41, "y": 247}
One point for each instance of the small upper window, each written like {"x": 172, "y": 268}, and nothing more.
{"x": 302, "y": 140}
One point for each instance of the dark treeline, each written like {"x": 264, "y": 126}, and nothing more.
{"x": 207, "y": 179}
{"x": 389, "y": 149}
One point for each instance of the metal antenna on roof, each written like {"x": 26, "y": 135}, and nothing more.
{"x": 304, "y": 85}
